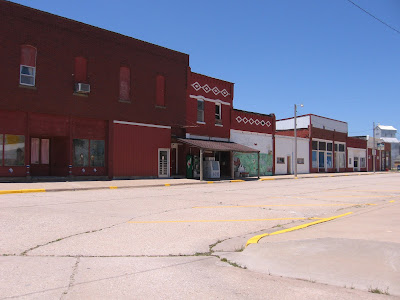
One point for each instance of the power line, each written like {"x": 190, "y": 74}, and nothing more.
{"x": 384, "y": 23}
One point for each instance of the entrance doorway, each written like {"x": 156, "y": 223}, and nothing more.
{"x": 49, "y": 156}
{"x": 163, "y": 162}
{"x": 289, "y": 165}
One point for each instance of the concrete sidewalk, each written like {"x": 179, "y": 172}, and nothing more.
{"x": 361, "y": 250}
{"x": 29, "y": 187}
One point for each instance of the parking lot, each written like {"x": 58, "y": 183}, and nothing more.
{"x": 189, "y": 241}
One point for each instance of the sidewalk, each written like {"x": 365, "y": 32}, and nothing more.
{"x": 29, "y": 187}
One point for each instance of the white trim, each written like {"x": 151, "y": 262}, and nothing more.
{"x": 219, "y": 125}
{"x": 31, "y": 76}
{"x": 203, "y": 123}
{"x": 209, "y": 100}
{"x": 251, "y": 132}
{"x": 205, "y": 137}
{"x": 220, "y": 111}
{"x": 141, "y": 124}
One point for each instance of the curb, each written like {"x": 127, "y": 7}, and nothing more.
{"x": 255, "y": 239}
{"x": 21, "y": 191}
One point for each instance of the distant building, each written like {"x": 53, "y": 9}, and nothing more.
{"x": 388, "y": 135}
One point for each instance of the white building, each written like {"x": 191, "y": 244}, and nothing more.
{"x": 388, "y": 135}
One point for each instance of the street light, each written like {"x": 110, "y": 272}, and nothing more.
{"x": 295, "y": 139}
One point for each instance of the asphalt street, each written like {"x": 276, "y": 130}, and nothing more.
{"x": 188, "y": 241}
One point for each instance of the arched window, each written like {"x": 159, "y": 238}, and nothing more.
{"x": 124, "y": 83}
{"x": 27, "y": 65}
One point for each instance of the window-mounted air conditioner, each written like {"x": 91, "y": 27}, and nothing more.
{"x": 82, "y": 88}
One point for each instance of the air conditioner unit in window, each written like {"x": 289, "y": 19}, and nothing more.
{"x": 82, "y": 88}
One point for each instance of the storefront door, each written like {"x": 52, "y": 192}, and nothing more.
{"x": 40, "y": 156}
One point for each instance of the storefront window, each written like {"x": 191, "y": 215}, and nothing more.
{"x": 14, "y": 150}
{"x": 341, "y": 147}
{"x": 329, "y": 146}
{"x": 81, "y": 152}
{"x": 96, "y": 153}
{"x": 329, "y": 159}
{"x": 321, "y": 159}
{"x": 315, "y": 145}
{"x": 1, "y": 149}
{"x": 342, "y": 160}
{"x": 45, "y": 151}
{"x": 314, "y": 159}
{"x": 322, "y": 146}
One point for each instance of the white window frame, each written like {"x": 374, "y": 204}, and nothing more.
{"x": 26, "y": 75}
{"x": 197, "y": 108}
{"x": 218, "y": 116}
{"x": 168, "y": 163}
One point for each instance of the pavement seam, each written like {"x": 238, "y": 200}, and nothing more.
{"x": 255, "y": 239}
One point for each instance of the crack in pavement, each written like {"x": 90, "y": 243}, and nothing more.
{"x": 71, "y": 278}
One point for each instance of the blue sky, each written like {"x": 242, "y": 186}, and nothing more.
{"x": 329, "y": 55}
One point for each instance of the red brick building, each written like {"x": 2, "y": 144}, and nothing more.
{"x": 81, "y": 100}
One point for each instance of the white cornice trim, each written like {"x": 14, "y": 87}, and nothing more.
{"x": 141, "y": 124}
{"x": 209, "y": 100}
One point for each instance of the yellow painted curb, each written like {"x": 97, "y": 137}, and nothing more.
{"x": 22, "y": 191}
{"x": 237, "y": 180}
{"x": 263, "y": 179}
{"x": 113, "y": 187}
{"x": 255, "y": 239}
{"x": 210, "y": 181}
{"x": 392, "y": 201}
{"x": 167, "y": 184}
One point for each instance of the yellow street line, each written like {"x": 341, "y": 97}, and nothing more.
{"x": 392, "y": 201}
{"x": 255, "y": 239}
{"x": 22, "y": 191}
{"x": 237, "y": 180}
{"x": 113, "y": 187}
{"x": 213, "y": 221}
{"x": 276, "y": 205}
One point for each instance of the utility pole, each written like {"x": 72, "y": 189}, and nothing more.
{"x": 295, "y": 141}
{"x": 373, "y": 147}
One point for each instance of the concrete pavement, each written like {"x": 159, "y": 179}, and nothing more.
{"x": 361, "y": 250}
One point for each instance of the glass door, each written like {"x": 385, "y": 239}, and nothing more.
{"x": 163, "y": 162}
{"x": 40, "y": 156}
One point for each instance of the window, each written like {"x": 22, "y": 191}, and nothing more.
{"x": 14, "y": 150}
{"x": 329, "y": 146}
{"x": 200, "y": 111}
{"x": 80, "y": 70}
{"x": 300, "y": 161}
{"x": 81, "y": 152}
{"x": 160, "y": 90}
{"x": 97, "y": 153}
{"x": 40, "y": 151}
{"x": 280, "y": 160}
{"x": 83, "y": 149}
{"x": 322, "y": 145}
{"x": 217, "y": 111}
{"x": 341, "y": 147}
{"x": 329, "y": 163}
{"x": 124, "y": 83}
{"x": 336, "y": 147}
{"x": 315, "y": 145}
{"x": 314, "y": 159}
{"x": 321, "y": 159}
{"x": 27, "y": 65}
{"x": 349, "y": 160}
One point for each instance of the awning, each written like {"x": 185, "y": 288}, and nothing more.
{"x": 218, "y": 146}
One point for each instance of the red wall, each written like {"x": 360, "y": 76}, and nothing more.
{"x": 135, "y": 149}
{"x": 59, "y": 41}
{"x": 197, "y": 87}
{"x": 253, "y": 122}
{"x": 356, "y": 143}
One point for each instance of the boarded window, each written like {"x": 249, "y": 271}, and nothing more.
{"x": 160, "y": 90}
{"x": 124, "y": 83}
{"x": 80, "y": 69}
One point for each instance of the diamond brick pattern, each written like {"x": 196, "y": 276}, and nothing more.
{"x": 252, "y": 121}
{"x": 197, "y": 86}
